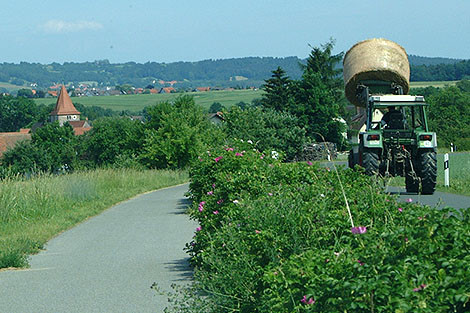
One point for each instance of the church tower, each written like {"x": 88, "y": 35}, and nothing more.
{"x": 64, "y": 110}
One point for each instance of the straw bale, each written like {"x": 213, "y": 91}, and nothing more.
{"x": 375, "y": 59}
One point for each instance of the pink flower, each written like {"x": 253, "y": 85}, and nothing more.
{"x": 409, "y": 200}
{"x": 199, "y": 228}
{"x": 406, "y": 239}
{"x": 213, "y": 186}
{"x": 210, "y": 193}
{"x": 400, "y": 209}
{"x": 201, "y": 206}
{"x": 257, "y": 231}
{"x": 359, "y": 230}
{"x": 421, "y": 287}
{"x": 360, "y": 262}
{"x": 229, "y": 149}
{"x": 270, "y": 194}
{"x": 238, "y": 154}
{"x": 217, "y": 159}
{"x": 220, "y": 201}
{"x": 216, "y": 212}
{"x": 304, "y": 300}
{"x": 309, "y": 163}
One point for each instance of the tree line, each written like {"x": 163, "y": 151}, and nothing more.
{"x": 249, "y": 71}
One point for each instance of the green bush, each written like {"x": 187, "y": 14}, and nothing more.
{"x": 266, "y": 128}
{"x": 278, "y": 237}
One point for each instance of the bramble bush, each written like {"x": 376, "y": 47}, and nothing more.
{"x": 276, "y": 237}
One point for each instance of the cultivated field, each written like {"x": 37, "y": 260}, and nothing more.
{"x": 136, "y": 103}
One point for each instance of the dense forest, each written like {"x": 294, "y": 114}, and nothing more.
{"x": 249, "y": 71}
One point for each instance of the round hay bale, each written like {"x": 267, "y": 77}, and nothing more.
{"x": 375, "y": 59}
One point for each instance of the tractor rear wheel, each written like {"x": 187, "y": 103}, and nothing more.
{"x": 428, "y": 171}
{"x": 412, "y": 184}
{"x": 370, "y": 161}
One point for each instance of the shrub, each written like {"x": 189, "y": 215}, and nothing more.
{"x": 278, "y": 237}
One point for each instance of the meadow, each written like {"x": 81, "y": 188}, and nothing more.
{"x": 135, "y": 103}
{"x": 34, "y": 210}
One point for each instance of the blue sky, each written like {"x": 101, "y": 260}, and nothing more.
{"x": 169, "y": 31}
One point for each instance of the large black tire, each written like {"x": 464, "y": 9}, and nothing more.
{"x": 370, "y": 161}
{"x": 428, "y": 171}
{"x": 412, "y": 185}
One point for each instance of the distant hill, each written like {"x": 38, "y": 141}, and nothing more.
{"x": 236, "y": 72}
{"x": 417, "y": 60}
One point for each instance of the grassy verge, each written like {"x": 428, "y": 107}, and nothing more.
{"x": 33, "y": 211}
{"x": 459, "y": 166}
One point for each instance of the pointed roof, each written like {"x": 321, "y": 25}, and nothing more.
{"x": 64, "y": 105}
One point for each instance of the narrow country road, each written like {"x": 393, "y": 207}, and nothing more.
{"x": 108, "y": 263}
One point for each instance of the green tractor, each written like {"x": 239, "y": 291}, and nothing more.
{"x": 399, "y": 142}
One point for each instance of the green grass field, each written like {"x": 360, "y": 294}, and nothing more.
{"x": 438, "y": 84}
{"x": 33, "y": 211}
{"x": 136, "y": 103}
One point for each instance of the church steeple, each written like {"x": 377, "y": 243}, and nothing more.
{"x": 64, "y": 110}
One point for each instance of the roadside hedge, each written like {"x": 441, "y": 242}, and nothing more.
{"x": 276, "y": 237}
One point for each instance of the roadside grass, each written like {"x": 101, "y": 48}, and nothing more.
{"x": 459, "y": 167}
{"x": 35, "y": 210}
{"x": 135, "y": 103}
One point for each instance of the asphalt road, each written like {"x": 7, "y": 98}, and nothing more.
{"x": 108, "y": 263}
{"x": 437, "y": 200}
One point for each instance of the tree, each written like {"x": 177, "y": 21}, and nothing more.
{"x": 278, "y": 91}
{"x": 110, "y": 138}
{"x": 176, "y": 133}
{"x": 216, "y": 107}
{"x": 26, "y": 93}
{"x": 449, "y": 116}
{"x": 266, "y": 128}
{"x": 16, "y": 113}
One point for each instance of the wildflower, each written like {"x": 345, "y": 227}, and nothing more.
{"x": 199, "y": 228}
{"x": 359, "y": 230}
{"x": 213, "y": 186}
{"x": 210, "y": 193}
{"x": 270, "y": 194}
{"x": 250, "y": 142}
{"x": 200, "y": 159}
{"x": 337, "y": 253}
{"x": 409, "y": 200}
{"x": 309, "y": 163}
{"x": 228, "y": 149}
{"x": 400, "y": 209}
{"x": 257, "y": 231}
{"x": 262, "y": 156}
{"x": 406, "y": 239}
{"x": 419, "y": 288}
{"x": 304, "y": 300}
{"x": 238, "y": 154}
{"x": 274, "y": 155}
{"x": 217, "y": 159}
{"x": 322, "y": 195}
{"x": 235, "y": 201}
{"x": 220, "y": 201}
{"x": 201, "y": 206}
{"x": 216, "y": 212}
{"x": 360, "y": 262}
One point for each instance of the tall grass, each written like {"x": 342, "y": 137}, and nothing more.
{"x": 33, "y": 211}
{"x": 459, "y": 173}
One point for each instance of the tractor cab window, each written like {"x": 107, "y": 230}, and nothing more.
{"x": 395, "y": 118}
